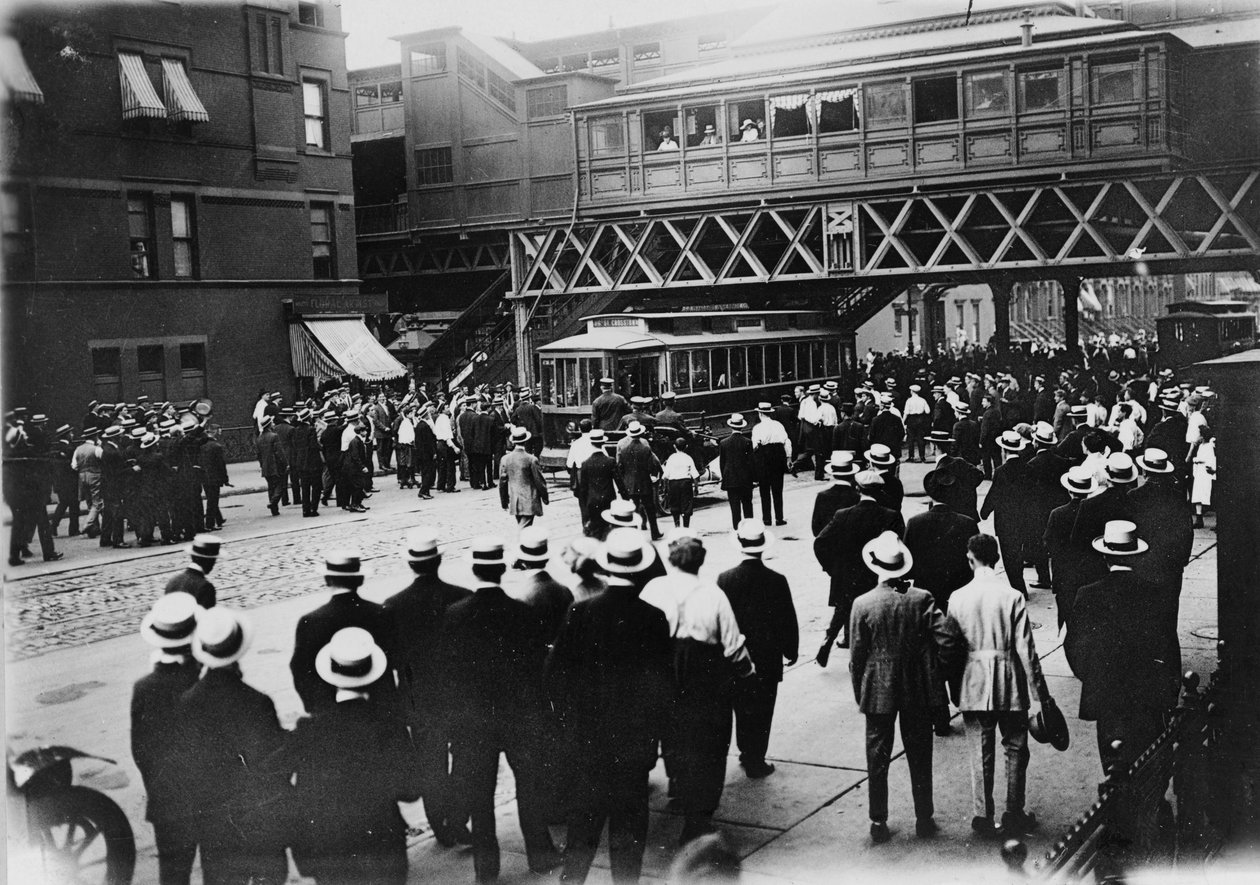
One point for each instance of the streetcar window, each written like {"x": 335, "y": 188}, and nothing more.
{"x": 739, "y": 372}
{"x": 681, "y": 368}
{"x": 639, "y": 376}
{"x": 586, "y": 382}
{"x": 548, "y": 381}
{"x": 773, "y": 372}
{"x": 833, "y": 359}
{"x": 803, "y": 370}
{"x": 700, "y": 370}
{"x": 755, "y": 373}
{"x": 817, "y": 361}
{"x": 721, "y": 368}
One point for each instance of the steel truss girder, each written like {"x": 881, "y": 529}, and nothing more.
{"x": 427, "y": 258}
{"x": 1180, "y": 220}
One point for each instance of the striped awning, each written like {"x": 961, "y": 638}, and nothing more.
{"x": 1237, "y": 282}
{"x": 15, "y": 77}
{"x": 139, "y": 98}
{"x": 334, "y": 347}
{"x": 181, "y": 99}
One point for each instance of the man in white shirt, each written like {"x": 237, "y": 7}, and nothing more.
{"x": 772, "y": 453}
{"x": 581, "y": 449}
{"x": 918, "y": 420}
{"x": 447, "y": 451}
{"x": 260, "y": 409}
{"x": 827, "y": 421}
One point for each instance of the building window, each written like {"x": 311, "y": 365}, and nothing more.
{"x": 501, "y": 90}
{"x": 547, "y": 102}
{"x": 886, "y": 104}
{"x": 605, "y": 58}
{"x": 433, "y": 166}
{"x": 1040, "y": 90}
{"x": 391, "y": 92}
{"x": 962, "y": 318}
{"x": 315, "y": 110}
{"x": 15, "y": 221}
{"x": 711, "y": 42}
{"x": 184, "y": 236}
{"x": 151, "y": 366}
{"x": 470, "y": 69}
{"x": 269, "y": 43}
{"x": 576, "y": 62}
{"x": 430, "y": 58}
{"x": 607, "y": 135}
{"x": 311, "y": 14}
{"x": 107, "y": 373}
{"x": 647, "y": 53}
{"x": 975, "y": 321}
{"x": 935, "y": 99}
{"x": 323, "y": 247}
{"x": 1112, "y": 82}
{"x": 986, "y": 94}
{"x": 192, "y": 370}
{"x": 140, "y": 233}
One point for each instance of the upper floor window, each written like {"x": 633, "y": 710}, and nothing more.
{"x": 140, "y": 235}
{"x": 311, "y": 14}
{"x": 1114, "y": 81}
{"x": 1041, "y": 90}
{"x": 607, "y": 135}
{"x": 604, "y": 58}
{"x": 935, "y": 99}
{"x": 184, "y": 236}
{"x": 550, "y": 101}
{"x": 986, "y": 94}
{"x": 501, "y": 90}
{"x": 323, "y": 245}
{"x": 647, "y": 53}
{"x": 746, "y": 120}
{"x": 470, "y": 69}
{"x": 433, "y": 166}
{"x": 429, "y": 58}
{"x": 885, "y": 104}
{"x": 315, "y": 111}
{"x": 268, "y": 42}
{"x": 711, "y": 42}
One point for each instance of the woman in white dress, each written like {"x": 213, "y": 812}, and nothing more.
{"x": 1204, "y": 473}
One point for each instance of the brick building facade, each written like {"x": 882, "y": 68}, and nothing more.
{"x": 181, "y": 195}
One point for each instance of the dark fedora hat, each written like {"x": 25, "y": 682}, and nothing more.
{"x": 1049, "y": 727}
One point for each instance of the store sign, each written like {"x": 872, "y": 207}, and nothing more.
{"x": 304, "y": 305}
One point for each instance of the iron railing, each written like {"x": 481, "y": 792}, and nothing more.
{"x": 382, "y": 218}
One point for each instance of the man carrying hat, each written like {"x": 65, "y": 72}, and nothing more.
{"x": 609, "y": 679}
{"x": 414, "y": 615}
{"x": 233, "y": 732}
{"x": 840, "y": 494}
{"x": 639, "y": 469}
{"x": 897, "y": 634}
{"x": 762, "y": 602}
{"x": 1117, "y": 646}
{"x": 999, "y": 687}
{"x": 491, "y": 654}
{"x": 609, "y": 407}
{"x": 522, "y": 488}
{"x": 159, "y": 744}
{"x": 772, "y": 453}
{"x": 838, "y": 549}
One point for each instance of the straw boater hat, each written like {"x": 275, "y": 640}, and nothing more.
{"x": 941, "y": 437}
{"x": 1121, "y": 469}
{"x": 752, "y": 537}
{"x": 205, "y": 546}
{"x": 1119, "y": 538}
{"x": 149, "y": 441}
{"x": 1078, "y": 413}
{"x": 625, "y": 552}
{"x": 533, "y": 545}
{"x": 635, "y": 429}
{"x": 222, "y": 637}
{"x": 1154, "y": 461}
{"x": 1011, "y": 441}
{"x": 879, "y": 455}
{"x": 765, "y": 409}
{"x": 620, "y": 512}
{"x": 171, "y": 621}
{"x": 736, "y": 422}
{"x": 422, "y": 545}
{"x": 1043, "y": 434}
{"x": 520, "y": 436}
{"x": 962, "y": 410}
{"x": 343, "y": 564}
{"x": 486, "y": 550}
{"x": 351, "y": 659}
{"x": 1080, "y": 481}
{"x": 842, "y": 465}
{"x": 597, "y": 437}
{"x": 887, "y": 557}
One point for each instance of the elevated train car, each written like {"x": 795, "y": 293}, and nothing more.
{"x": 1194, "y": 331}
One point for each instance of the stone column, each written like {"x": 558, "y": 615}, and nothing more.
{"x": 1071, "y": 313}
{"x": 1001, "y": 288}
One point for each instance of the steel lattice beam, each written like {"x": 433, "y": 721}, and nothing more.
{"x": 426, "y": 258}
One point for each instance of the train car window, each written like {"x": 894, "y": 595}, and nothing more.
{"x": 1041, "y": 90}
{"x": 607, "y": 135}
{"x": 803, "y": 369}
{"x": 660, "y": 131}
{"x": 774, "y": 374}
{"x": 751, "y": 112}
{"x": 756, "y": 374}
{"x": 817, "y": 359}
{"x": 833, "y": 359}
{"x": 700, "y": 126}
{"x": 739, "y": 371}
{"x": 1114, "y": 81}
{"x": 837, "y": 110}
{"x": 987, "y": 94}
{"x": 935, "y": 99}
{"x": 886, "y": 104}
{"x": 700, "y": 374}
{"x": 719, "y": 360}
{"x": 680, "y": 370}
{"x": 547, "y": 380}
{"x": 789, "y": 115}
{"x": 589, "y": 371}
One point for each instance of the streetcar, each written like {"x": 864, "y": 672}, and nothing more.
{"x": 715, "y": 362}
{"x": 1194, "y": 331}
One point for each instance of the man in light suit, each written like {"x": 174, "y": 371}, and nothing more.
{"x": 999, "y": 685}
{"x": 522, "y": 489}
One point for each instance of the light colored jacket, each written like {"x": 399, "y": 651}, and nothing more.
{"x": 1001, "y": 671}
{"x": 522, "y": 489}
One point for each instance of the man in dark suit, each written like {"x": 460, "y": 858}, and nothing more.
{"x": 414, "y": 617}
{"x": 639, "y": 467}
{"x": 192, "y": 580}
{"x": 232, "y": 731}
{"x": 159, "y": 745}
{"x": 1070, "y": 447}
{"x": 1110, "y": 504}
{"x": 887, "y": 427}
{"x": 270, "y": 464}
{"x": 953, "y": 481}
{"x": 991, "y": 427}
{"x": 492, "y": 652}
{"x": 466, "y": 428}
{"x": 739, "y": 472}
{"x": 608, "y": 407}
{"x": 840, "y": 494}
{"x": 114, "y": 472}
{"x": 598, "y": 482}
{"x": 891, "y": 493}
{"x": 849, "y": 434}
{"x": 283, "y": 427}
{"x": 668, "y": 415}
{"x": 937, "y": 540}
{"x": 549, "y": 599}
{"x": 528, "y": 415}
{"x": 1007, "y": 502}
{"x": 1117, "y": 646}
{"x": 1069, "y": 550}
{"x": 426, "y": 452}
{"x": 609, "y": 678}
{"x": 214, "y": 477}
{"x": 1169, "y": 435}
{"x": 762, "y": 602}
{"x": 330, "y": 449}
{"x": 966, "y": 433}
{"x": 1045, "y": 472}
{"x": 897, "y": 634}
{"x": 306, "y": 463}
{"x": 344, "y": 574}
{"x": 838, "y": 549}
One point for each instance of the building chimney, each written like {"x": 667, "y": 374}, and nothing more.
{"x": 1026, "y": 29}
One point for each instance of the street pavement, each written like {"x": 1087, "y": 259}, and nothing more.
{"x": 72, "y": 654}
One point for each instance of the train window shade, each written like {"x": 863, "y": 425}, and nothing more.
{"x": 1041, "y": 90}
{"x": 608, "y": 136}
{"x": 986, "y": 94}
{"x": 836, "y": 110}
{"x": 1114, "y": 81}
{"x": 885, "y": 104}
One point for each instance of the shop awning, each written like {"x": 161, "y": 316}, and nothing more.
{"x": 1237, "y": 282}
{"x": 334, "y": 347}
{"x": 181, "y": 99}
{"x": 18, "y": 81}
{"x": 139, "y": 98}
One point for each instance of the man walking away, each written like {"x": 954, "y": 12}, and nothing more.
{"x": 522, "y": 488}
{"x": 735, "y": 463}
{"x": 772, "y": 451}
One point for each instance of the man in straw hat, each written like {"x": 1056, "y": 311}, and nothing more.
{"x": 838, "y": 549}
{"x": 737, "y": 468}
{"x": 204, "y": 554}
{"x": 352, "y": 766}
{"x": 762, "y": 602}
{"x": 1117, "y": 646}
{"x": 937, "y": 539}
{"x": 840, "y": 494}
{"x": 543, "y": 593}
{"x": 1008, "y": 503}
{"x": 522, "y": 488}
{"x": 609, "y": 679}
{"x": 999, "y": 687}
{"x": 414, "y": 615}
{"x": 896, "y": 635}
{"x": 271, "y": 463}
{"x": 158, "y": 742}
{"x": 232, "y": 732}
{"x": 492, "y": 656}
{"x": 1166, "y": 521}
{"x": 639, "y": 467}
{"x": 598, "y": 483}
{"x": 772, "y": 453}
{"x": 344, "y": 574}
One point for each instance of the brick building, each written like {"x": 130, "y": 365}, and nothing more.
{"x": 178, "y": 207}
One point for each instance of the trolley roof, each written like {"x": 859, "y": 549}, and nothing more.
{"x": 631, "y": 331}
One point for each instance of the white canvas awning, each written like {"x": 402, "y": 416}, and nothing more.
{"x": 330, "y": 348}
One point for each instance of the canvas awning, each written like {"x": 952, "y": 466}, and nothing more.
{"x": 18, "y": 81}
{"x": 139, "y": 98}
{"x": 181, "y": 98}
{"x": 1234, "y": 282}
{"x": 330, "y": 348}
